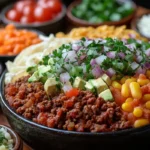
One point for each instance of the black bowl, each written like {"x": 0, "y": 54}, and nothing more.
{"x": 52, "y": 26}
{"x": 41, "y": 137}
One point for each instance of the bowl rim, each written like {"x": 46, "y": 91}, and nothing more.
{"x": 134, "y": 23}
{"x": 17, "y": 140}
{"x": 130, "y": 131}
{"x": 79, "y": 21}
{"x": 4, "y": 19}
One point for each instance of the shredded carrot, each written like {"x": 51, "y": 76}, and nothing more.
{"x": 13, "y": 41}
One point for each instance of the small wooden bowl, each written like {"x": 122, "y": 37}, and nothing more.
{"x": 134, "y": 23}
{"x": 79, "y": 22}
{"x": 18, "y": 144}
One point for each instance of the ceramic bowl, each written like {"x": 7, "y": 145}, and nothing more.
{"x": 18, "y": 144}
{"x": 52, "y": 26}
{"x": 79, "y": 22}
{"x": 40, "y": 137}
{"x": 134, "y": 23}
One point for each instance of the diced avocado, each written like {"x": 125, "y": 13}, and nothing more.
{"x": 99, "y": 84}
{"x": 50, "y": 86}
{"x": 43, "y": 69}
{"x": 107, "y": 79}
{"x": 89, "y": 87}
{"x": 34, "y": 77}
{"x": 106, "y": 95}
{"x": 79, "y": 83}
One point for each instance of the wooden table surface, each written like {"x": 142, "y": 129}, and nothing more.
{"x": 3, "y": 119}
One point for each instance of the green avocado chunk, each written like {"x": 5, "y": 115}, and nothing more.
{"x": 99, "y": 84}
{"x": 106, "y": 79}
{"x": 106, "y": 95}
{"x": 79, "y": 83}
{"x": 50, "y": 86}
{"x": 34, "y": 77}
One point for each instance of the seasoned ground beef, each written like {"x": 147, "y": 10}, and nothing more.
{"x": 84, "y": 113}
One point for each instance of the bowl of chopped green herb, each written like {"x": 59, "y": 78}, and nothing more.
{"x": 100, "y": 12}
{"x": 9, "y": 139}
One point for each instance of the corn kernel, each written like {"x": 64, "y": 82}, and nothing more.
{"x": 125, "y": 91}
{"x": 137, "y": 112}
{"x": 127, "y": 107}
{"x": 148, "y": 73}
{"x": 128, "y": 81}
{"x": 135, "y": 90}
{"x": 146, "y": 97}
{"x": 122, "y": 81}
{"x": 143, "y": 81}
{"x": 147, "y": 105}
{"x": 141, "y": 122}
{"x": 130, "y": 99}
{"x": 116, "y": 85}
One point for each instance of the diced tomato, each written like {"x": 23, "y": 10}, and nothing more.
{"x": 131, "y": 118}
{"x": 146, "y": 89}
{"x": 72, "y": 92}
{"x": 135, "y": 102}
{"x": 119, "y": 99}
{"x": 13, "y": 15}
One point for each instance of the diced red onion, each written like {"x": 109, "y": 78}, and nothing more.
{"x": 93, "y": 62}
{"x": 131, "y": 46}
{"x": 71, "y": 55}
{"x": 111, "y": 54}
{"x": 76, "y": 47}
{"x": 97, "y": 71}
{"x": 110, "y": 72}
{"x": 140, "y": 70}
{"x": 139, "y": 58}
{"x": 147, "y": 52}
{"x": 147, "y": 65}
{"x": 132, "y": 35}
{"x": 67, "y": 87}
{"x": 121, "y": 55}
{"x": 134, "y": 65}
{"x": 88, "y": 42}
{"x": 100, "y": 59}
{"x": 64, "y": 77}
{"x": 124, "y": 40}
{"x": 82, "y": 57}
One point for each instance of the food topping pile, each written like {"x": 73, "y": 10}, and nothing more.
{"x": 32, "y": 11}
{"x": 6, "y": 142}
{"x": 103, "y": 31}
{"x": 98, "y": 11}
{"x": 88, "y": 85}
{"x": 13, "y": 41}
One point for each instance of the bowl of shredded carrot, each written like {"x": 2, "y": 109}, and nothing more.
{"x": 13, "y": 41}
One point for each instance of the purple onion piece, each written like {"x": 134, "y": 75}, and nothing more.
{"x": 147, "y": 52}
{"x": 110, "y": 72}
{"x": 140, "y": 70}
{"x": 147, "y": 65}
{"x": 93, "y": 62}
{"x": 121, "y": 55}
{"x": 64, "y": 77}
{"x": 97, "y": 71}
{"x": 111, "y": 54}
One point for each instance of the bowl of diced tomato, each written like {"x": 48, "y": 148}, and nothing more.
{"x": 13, "y": 41}
{"x": 44, "y": 15}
